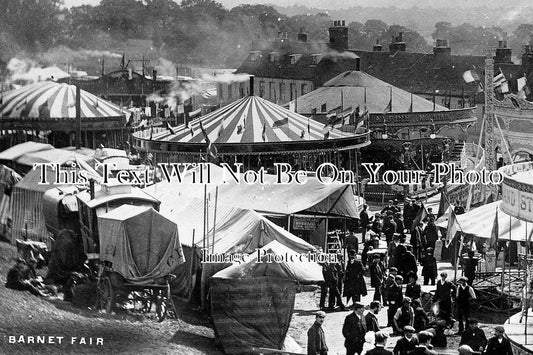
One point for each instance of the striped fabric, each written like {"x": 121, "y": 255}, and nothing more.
{"x": 49, "y": 100}
{"x": 251, "y": 120}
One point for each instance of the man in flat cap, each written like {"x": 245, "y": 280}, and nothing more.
{"x": 465, "y": 296}
{"x": 354, "y": 330}
{"x": 381, "y": 339}
{"x": 424, "y": 344}
{"x": 316, "y": 339}
{"x": 499, "y": 345}
{"x": 17, "y": 278}
{"x": 406, "y": 343}
{"x": 474, "y": 337}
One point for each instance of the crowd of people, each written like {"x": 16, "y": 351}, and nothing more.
{"x": 419, "y": 318}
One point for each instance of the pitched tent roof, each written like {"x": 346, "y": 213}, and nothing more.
{"x": 244, "y": 120}
{"x": 356, "y": 88}
{"x": 300, "y": 271}
{"x": 18, "y": 150}
{"x": 479, "y": 222}
{"x": 269, "y": 198}
{"x": 143, "y": 260}
{"x": 52, "y": 106}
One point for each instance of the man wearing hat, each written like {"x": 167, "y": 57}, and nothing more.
{"x": 376, "y": 277}
{"x": 389, "y": 227}
{"x": 465, "y": 295}
{"x": 354, "y": 330}
{"x": 377, "y": 225}
{"x": 413, "y": 290}
{"x": 429, "y": 267}
{"x": 387, "y": 284}
{"x": 406, "y": 343}
{"x": 381, "y": 339}
{"x": 499, "y": 345}
{"x": 395, "y": 299}
{"x": 371, "y": 319}
{"x": 444, "y": 294}
{"x": 424, "y": 344}
{"x": 364, "y": 220}
{"x": 316, "y": 339}
{"x": 474, "y": 337}
{"x": 404, "y": 316}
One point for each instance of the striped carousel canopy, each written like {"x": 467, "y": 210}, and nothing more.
{"x": 48, "y": 100}
{"x": 251, "y": 120}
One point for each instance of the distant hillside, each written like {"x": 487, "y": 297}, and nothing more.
{"x": 423, "y": 19}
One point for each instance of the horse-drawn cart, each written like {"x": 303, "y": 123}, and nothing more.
{"x": 138, "y": 249}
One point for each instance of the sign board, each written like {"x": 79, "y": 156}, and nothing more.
{"x": 517, "y": 199}
{"x": 304, "y": 223}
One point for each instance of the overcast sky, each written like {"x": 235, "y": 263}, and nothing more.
{"x": 338, "y": 4}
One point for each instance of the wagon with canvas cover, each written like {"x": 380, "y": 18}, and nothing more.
{"x": 138, "y": 249}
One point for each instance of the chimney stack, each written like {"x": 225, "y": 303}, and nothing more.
{"x": 527, "y": 57}
{"x": 338, "y": 36}
{"x": 251, "y": 85}
{"x": 377, "y": 47}
{"x": 441, "y": 48}
{"x": 503, "y": 54}
{"x": 302, "y": 36}
{"x": 397, "y": 44}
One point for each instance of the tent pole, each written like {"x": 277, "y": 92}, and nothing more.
{"x": 327, "y": 226}
{"x": 205, "y": 200}
{"x": 356, "y": 153}
{"x": 503, "y": 277}
{"x": 192, "y": 264}
{"x": 215, "y": 220}
{"x": 528, "y": 240}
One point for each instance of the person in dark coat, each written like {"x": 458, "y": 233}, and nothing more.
{"x": 376, "y": 277}
{"x": 371, "y": 318}
{"x": 389, "y": 228}
{"x": 400, "y": 226}
{"x": 352, "y": 243}
{"x": 354, "y": 281}
{"x": 440, "y": 340}
{"x": 329, "y": 272}
{"x": 404, "y": 316}
{"x": 408, "y": 213}
{"x": 407, "y": 264}
{"x": 377, "y": 225}
{"x": 413, "y": 290}
{"x": 444, "y": 295}
{"x": 499, "y": 345}
{"x": 381, "y": 339}
{"x": 387, "y": 284}
{"x": 431, "y": 233}
{"x": 474, "y": 337}
{"x": 416, "y": 240}
{"x": 364, "y": 220}
{"x": 465, "y": 296}
{"x": 406, "y": 343}
{"x": 470, "y": 265}
{"x": 316, "y": 339}
{"x": 424, "y": 344}
{"x": 17, "y": 278}
{"x": 421, "y": 321}
{"x": 395, "y": 298}
{"x": 429, "y": 267}
{"x": 354, "y": 330}
{"x": 392, "y": 247}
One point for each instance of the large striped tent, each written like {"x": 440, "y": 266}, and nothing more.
{"x": 251, "y": 125}
{"x": 51, "y": 106}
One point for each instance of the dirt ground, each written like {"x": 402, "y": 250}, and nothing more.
{"x": 25, "y": 315}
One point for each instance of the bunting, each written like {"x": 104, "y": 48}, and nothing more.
{"x": 494, "y": 235}
{"x": 453, "y": 227}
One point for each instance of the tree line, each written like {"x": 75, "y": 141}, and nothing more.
{"x": 203, "y": 32}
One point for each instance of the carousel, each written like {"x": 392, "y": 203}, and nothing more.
{"x": 54, "y": 113}
{"x": 255, "y": 132}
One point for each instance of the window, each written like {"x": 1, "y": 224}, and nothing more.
{"x": 303, "y": 89}
{"x": 282, "y": 91}
{"x": 323, "y": 108}
{"x": 293, "y": 92}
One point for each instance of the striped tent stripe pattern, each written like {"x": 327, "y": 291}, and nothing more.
{"x": 49, "y": 100}
{"x": 251, "y": 120}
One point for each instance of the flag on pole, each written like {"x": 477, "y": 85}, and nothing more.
{"x": 308, "y": 127}
{"x": 170, "y": 128}
{"x": 411, "y": 105}
{"x": 211, "y": 150}
{"x": 420, "y": 216}
{"x": 470, "y": 76}
{"x": 453, "y": 228}
{"x": 281, "y": 122}
{"x": 493, "y": 243}
{"x": 263, "y": 134}
{"x": 325, "y": 130}
{"x": 443, "y": 204}
{"x": 389, "y": 107}
{"x": 221, "y": 128}
{"x": 189, "y": 126}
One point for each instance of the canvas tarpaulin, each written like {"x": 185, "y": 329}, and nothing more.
{"x": 267, "y": 198}
{"x": 251, "y": 313}
{"x": 141, "y": 244}
{"x": 479, "y": 222}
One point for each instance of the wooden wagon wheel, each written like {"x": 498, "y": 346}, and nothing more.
{"x": 106, "y": 295}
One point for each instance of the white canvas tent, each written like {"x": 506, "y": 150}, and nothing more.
{"x": 269, "y": 198}
{"x": 479, "y": 223}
